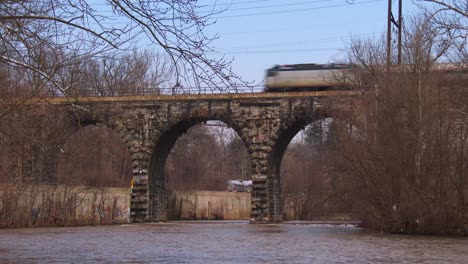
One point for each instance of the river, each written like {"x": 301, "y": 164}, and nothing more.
{"x": 224, "y": 242}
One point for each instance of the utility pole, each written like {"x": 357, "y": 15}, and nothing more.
{"x": 400, "y": 28}
{"x": 389, "y": 34}
{"x": 390, "y": 20}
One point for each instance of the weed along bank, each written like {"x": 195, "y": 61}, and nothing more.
{"x": 28, "y": 205}
{"x": 60, "y": 205}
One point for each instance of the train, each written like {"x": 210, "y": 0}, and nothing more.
{"x": 239, "y": 185}
{"x": 306, "y": 77}
{"x": 334, "y": 76}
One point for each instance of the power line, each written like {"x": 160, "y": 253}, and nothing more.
{"x": 278, "y": 51}
{"x": 249, "y": 2}
{"x": 277, "y": 5}
{"x": 238, "y": 3}
{"x": 295, "y": 10}
{"x": 265, "y": 13}
{"x": 289, "y": 29}
{"x": 227, "y": 9}
{"x": 295, "y": 43}
{"x": 276, "y": 30}
{"x": 234, "y": 3}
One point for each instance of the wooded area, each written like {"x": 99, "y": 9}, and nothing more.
{"x": 402, "y": 167}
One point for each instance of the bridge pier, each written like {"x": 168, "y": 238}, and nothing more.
{"x": 159, "y": 203}
{"x": 465, "y": 196}
{"x": 261, "y": 125}
{"x": 139, "y": 203}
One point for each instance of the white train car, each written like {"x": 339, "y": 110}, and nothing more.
{"x": 305, "y": 77}
{"x": 239, "y": 185}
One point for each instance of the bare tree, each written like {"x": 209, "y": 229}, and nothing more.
{"x": 193, "y": 162}
{"x": 28, "y": 140}
{"x": 306, "y": 185}
{"x": 95, "y": 156}
{"x": 450, "y": 17}
{"x": 402, "y": 167}
{"x": 134, "y": 73}
{"x": 44, "y": 36}
{"x": 459, "y": 7}
{"x": 205, "y": 157}
{"x": 237, "y": 160}
{"x": 65, "y": 47}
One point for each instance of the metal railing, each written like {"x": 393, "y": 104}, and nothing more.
{"x": 53, "y": 97}
{"x": 94, "y": 92}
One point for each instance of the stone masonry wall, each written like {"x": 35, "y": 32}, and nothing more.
{"x": 209, "y": 205}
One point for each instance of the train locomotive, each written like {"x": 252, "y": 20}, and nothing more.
{"x": 306, "y": 77}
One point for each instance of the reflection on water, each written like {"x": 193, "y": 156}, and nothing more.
{"x": 221, "y": 242}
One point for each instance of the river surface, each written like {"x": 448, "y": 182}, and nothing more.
{"x": 221, "y": 242}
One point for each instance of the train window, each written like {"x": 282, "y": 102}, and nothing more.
{"x": 271, "y": 73}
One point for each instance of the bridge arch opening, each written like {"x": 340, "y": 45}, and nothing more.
{"x": 195, "y": 155}
{"x": 298, "y": 170}
{"x": 94, "y": 156}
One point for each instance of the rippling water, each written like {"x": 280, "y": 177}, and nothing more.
{"x": 217, "y": 242}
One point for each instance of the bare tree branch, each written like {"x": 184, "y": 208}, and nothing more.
{"x": 453, "y": 5}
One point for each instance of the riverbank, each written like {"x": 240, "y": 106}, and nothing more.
{"x": 52, "y": 205}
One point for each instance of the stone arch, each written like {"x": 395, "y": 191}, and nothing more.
{"x": 75, "y": 131}
{"x": 50, "y": 163}
{"x": 138, "y": 149}
{"x": 126, "y": 137}
{"x": 162, "y": 147}
{"x": 136, "y": 129}
{"x": 287, "y": 131}
{"x": 115, "y": 125}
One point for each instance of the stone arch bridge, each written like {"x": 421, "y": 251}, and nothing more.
{"x": 150, "y": 125}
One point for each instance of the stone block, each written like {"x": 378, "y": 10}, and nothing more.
{"x": 256, "y": 199}
{"x": 259, "y": 205}
{"x": 465, "y": 194}
{"x": 259, "y": 178}
{"x": 140, "y": 199}
{"x": 130, "y": 124}
{"x": 259, "y": 185}
{"x": 259, "y": 155}
{"x": 140, "y": 187}
{"x": 260, "y": 192}
{"x": 139, "y": 206}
